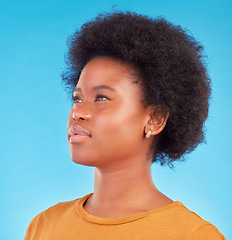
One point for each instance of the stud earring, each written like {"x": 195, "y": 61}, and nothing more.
{"x": 148, "y": 134}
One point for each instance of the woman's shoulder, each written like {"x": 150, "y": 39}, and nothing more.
{"x": 49, "y": 216}
{"x": 178, "y": 216}
{"x": 206, "y": 232}
{"x": 58, "y": 208}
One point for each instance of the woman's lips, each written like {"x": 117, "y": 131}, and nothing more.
{"x": 78, "y": 138}
{"x": 78, "y": 134}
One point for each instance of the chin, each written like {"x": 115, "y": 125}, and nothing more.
{"x": 84, "y": 163}
{"x": 82, "y": 160}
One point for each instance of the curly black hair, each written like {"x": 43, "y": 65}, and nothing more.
{"x": 172, "y": 69}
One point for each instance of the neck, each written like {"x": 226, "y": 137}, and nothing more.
{"x": 124, "y": 186}
{"x": 123, "y": 191}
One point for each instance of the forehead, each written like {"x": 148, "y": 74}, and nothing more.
{"x": 122, "y": 79}
{"x": 104, "y": 70}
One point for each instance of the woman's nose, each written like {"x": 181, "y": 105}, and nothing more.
{"x": 81, "y": 114}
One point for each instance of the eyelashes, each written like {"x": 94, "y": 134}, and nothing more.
{"x": 99, "y": 97}
{"x": 76, "y": 99}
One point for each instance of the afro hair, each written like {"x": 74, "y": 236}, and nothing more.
{"x": 172, "y": 70}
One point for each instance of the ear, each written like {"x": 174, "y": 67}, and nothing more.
{"x": 157, "y": 119}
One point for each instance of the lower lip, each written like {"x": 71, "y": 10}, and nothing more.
{"x": 78, "y": 138}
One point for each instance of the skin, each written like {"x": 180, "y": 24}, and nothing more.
{"x": 117, "y": 148}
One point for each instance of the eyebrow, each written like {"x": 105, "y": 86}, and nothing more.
{"x": 97, "y": 88}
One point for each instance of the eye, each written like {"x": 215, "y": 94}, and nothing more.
{"x": 76, "y": 99}
{"x": 101, "y": 98}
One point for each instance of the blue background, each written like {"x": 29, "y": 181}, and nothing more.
{"x": 35, "y": 166}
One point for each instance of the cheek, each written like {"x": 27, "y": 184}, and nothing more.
{"x": 122, "y": 126}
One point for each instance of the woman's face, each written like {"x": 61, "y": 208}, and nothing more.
{"x": 107, "y": 105}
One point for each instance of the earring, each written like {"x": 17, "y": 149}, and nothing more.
{"x": 148, "y": 134}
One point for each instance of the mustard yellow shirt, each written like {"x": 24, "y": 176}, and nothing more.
{"x": 69, "y": 221}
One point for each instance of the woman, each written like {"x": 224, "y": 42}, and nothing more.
{"x": 141, "y": 91}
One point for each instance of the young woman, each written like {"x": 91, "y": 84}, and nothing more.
{"x": 140, "y": 90}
